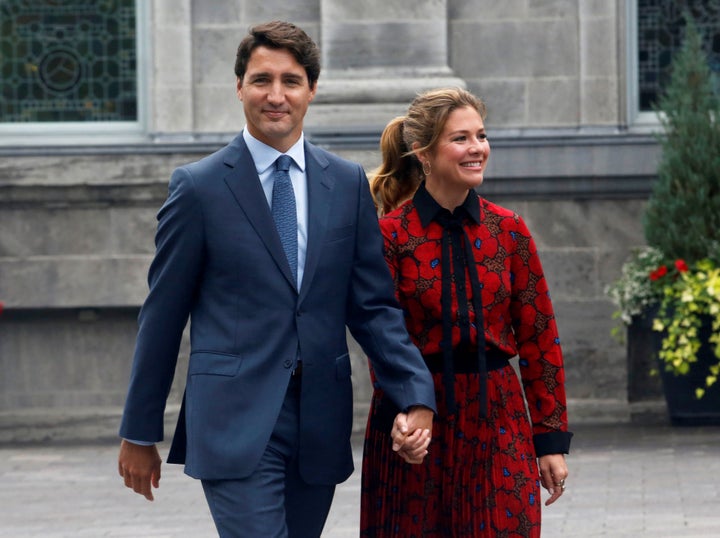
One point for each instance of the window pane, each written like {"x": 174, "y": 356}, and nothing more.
{"x": 660, "y": 31}
{"x": 67, "y": 60}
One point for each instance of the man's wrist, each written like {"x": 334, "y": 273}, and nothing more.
{"x": 140, "y": 443}
{"x": 417, "y": 407}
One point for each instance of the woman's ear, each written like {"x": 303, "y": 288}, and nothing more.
{"x": 421, "y": 155}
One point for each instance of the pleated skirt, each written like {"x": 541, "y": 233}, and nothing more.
{"x": 480, "y": 478}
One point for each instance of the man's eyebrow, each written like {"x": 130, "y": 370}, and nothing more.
{"x": 258, "y": 74}
{"x": 267, "y": 74}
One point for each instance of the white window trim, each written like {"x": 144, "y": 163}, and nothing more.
{"x": 100, "y": 132}
{"x": 637, "y": 119}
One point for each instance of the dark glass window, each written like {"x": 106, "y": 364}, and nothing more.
{"x": 660, "y": 34}
{"x": 68, "y": 60}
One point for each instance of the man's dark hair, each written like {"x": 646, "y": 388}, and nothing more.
{"x": 280, "y": 35}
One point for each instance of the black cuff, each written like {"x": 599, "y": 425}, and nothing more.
{"x": 552, "y": 443}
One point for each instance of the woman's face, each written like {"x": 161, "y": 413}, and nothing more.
{"x": 460, "y": 156}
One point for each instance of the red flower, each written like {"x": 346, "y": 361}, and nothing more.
{"x": 681, "y": 266}
{"x": 658, "y": 273}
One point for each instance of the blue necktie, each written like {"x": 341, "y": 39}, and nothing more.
{"x": 284, "y": 211}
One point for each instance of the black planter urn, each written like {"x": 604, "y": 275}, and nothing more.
{"x": 684, "y": 408}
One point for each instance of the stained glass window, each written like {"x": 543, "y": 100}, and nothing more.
{"x": 68, "y": 61}
{"x": 660, "y": 34}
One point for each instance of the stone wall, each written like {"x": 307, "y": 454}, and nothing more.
{"x": 75, "y": 245}
{"x": 541, "y": 63}
{"x": 537, "y": 63}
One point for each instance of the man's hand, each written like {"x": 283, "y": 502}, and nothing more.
{"x": 140, "y": 467}
{"x": 411, "y": 433}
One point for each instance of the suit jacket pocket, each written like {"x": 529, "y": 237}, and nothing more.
{"x": 212, "y": 363}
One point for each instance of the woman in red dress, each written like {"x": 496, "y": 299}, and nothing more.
{"x": 461, "y": 262}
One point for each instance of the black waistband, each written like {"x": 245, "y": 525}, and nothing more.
{"x": 466, "y": 362}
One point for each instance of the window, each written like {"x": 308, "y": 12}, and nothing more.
{"x": 69, "y": 65}
{"x": 659, "y": 32}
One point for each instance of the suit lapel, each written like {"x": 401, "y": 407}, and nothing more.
{"x": 244, "y": 183}
{"x": 320, "y": 187}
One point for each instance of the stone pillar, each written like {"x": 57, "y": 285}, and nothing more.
{"x": 376, "y": 56}
{"x": 172, "y": 81}
{"x": 599, "y": 39}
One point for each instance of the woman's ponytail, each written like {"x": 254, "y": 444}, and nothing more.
{"x": 399, "y": 175}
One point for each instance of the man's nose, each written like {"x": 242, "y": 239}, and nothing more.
{"x": 276, "y": 93}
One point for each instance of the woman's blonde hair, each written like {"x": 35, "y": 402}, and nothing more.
{"x": 400, "y": 173}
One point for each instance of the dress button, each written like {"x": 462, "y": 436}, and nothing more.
{"x": 288, "y": 363}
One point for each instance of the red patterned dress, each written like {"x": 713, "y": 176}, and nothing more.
{"x": 480, "y": 478}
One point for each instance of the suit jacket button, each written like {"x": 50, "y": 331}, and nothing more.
{"x": 288, "y": 363}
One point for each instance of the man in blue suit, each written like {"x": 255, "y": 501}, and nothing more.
{"x": 267, "y": 413}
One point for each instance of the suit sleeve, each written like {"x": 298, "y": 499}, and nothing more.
{"x": 172, "y": 280}
{"x": 375, "y": 319}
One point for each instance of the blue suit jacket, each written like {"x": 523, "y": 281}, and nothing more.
{"x": 219, "y": 261}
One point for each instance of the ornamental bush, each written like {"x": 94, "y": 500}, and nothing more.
{"x": 679, "y": 269}
{"x": 682, "y": 217}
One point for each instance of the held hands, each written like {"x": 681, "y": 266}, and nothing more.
{"x": 140, "y": 467}
{"x": 553, "y": 473}
{"x": 411, "y": 434}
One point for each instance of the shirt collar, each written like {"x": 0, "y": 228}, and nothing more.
{"x": 428, "y": 208}
{"x": 265, "y": 156}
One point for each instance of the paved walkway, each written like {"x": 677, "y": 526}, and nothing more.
{"x": 653, "y": 481}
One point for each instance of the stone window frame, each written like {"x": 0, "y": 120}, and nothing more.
{"x": 100, "y": 132}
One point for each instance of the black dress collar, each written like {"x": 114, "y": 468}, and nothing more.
{"x": 428, "y": 209}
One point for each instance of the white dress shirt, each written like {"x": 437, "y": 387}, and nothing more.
{"x": 264, "y": 157}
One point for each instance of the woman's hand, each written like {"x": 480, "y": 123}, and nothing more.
{"x": 411, "y": 434}
{"x": 553, "y": 473}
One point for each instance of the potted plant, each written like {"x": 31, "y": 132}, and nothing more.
{"x": 675, "y": 280}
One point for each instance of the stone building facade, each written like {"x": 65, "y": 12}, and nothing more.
{"x": 571, "y": 153}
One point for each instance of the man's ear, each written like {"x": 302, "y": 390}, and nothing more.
{"x": 238, "y": 87}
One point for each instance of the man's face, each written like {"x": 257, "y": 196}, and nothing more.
{"x": 276, "y": 94}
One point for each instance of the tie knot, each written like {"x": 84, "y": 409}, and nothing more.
{"x": 283, "y": 163}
